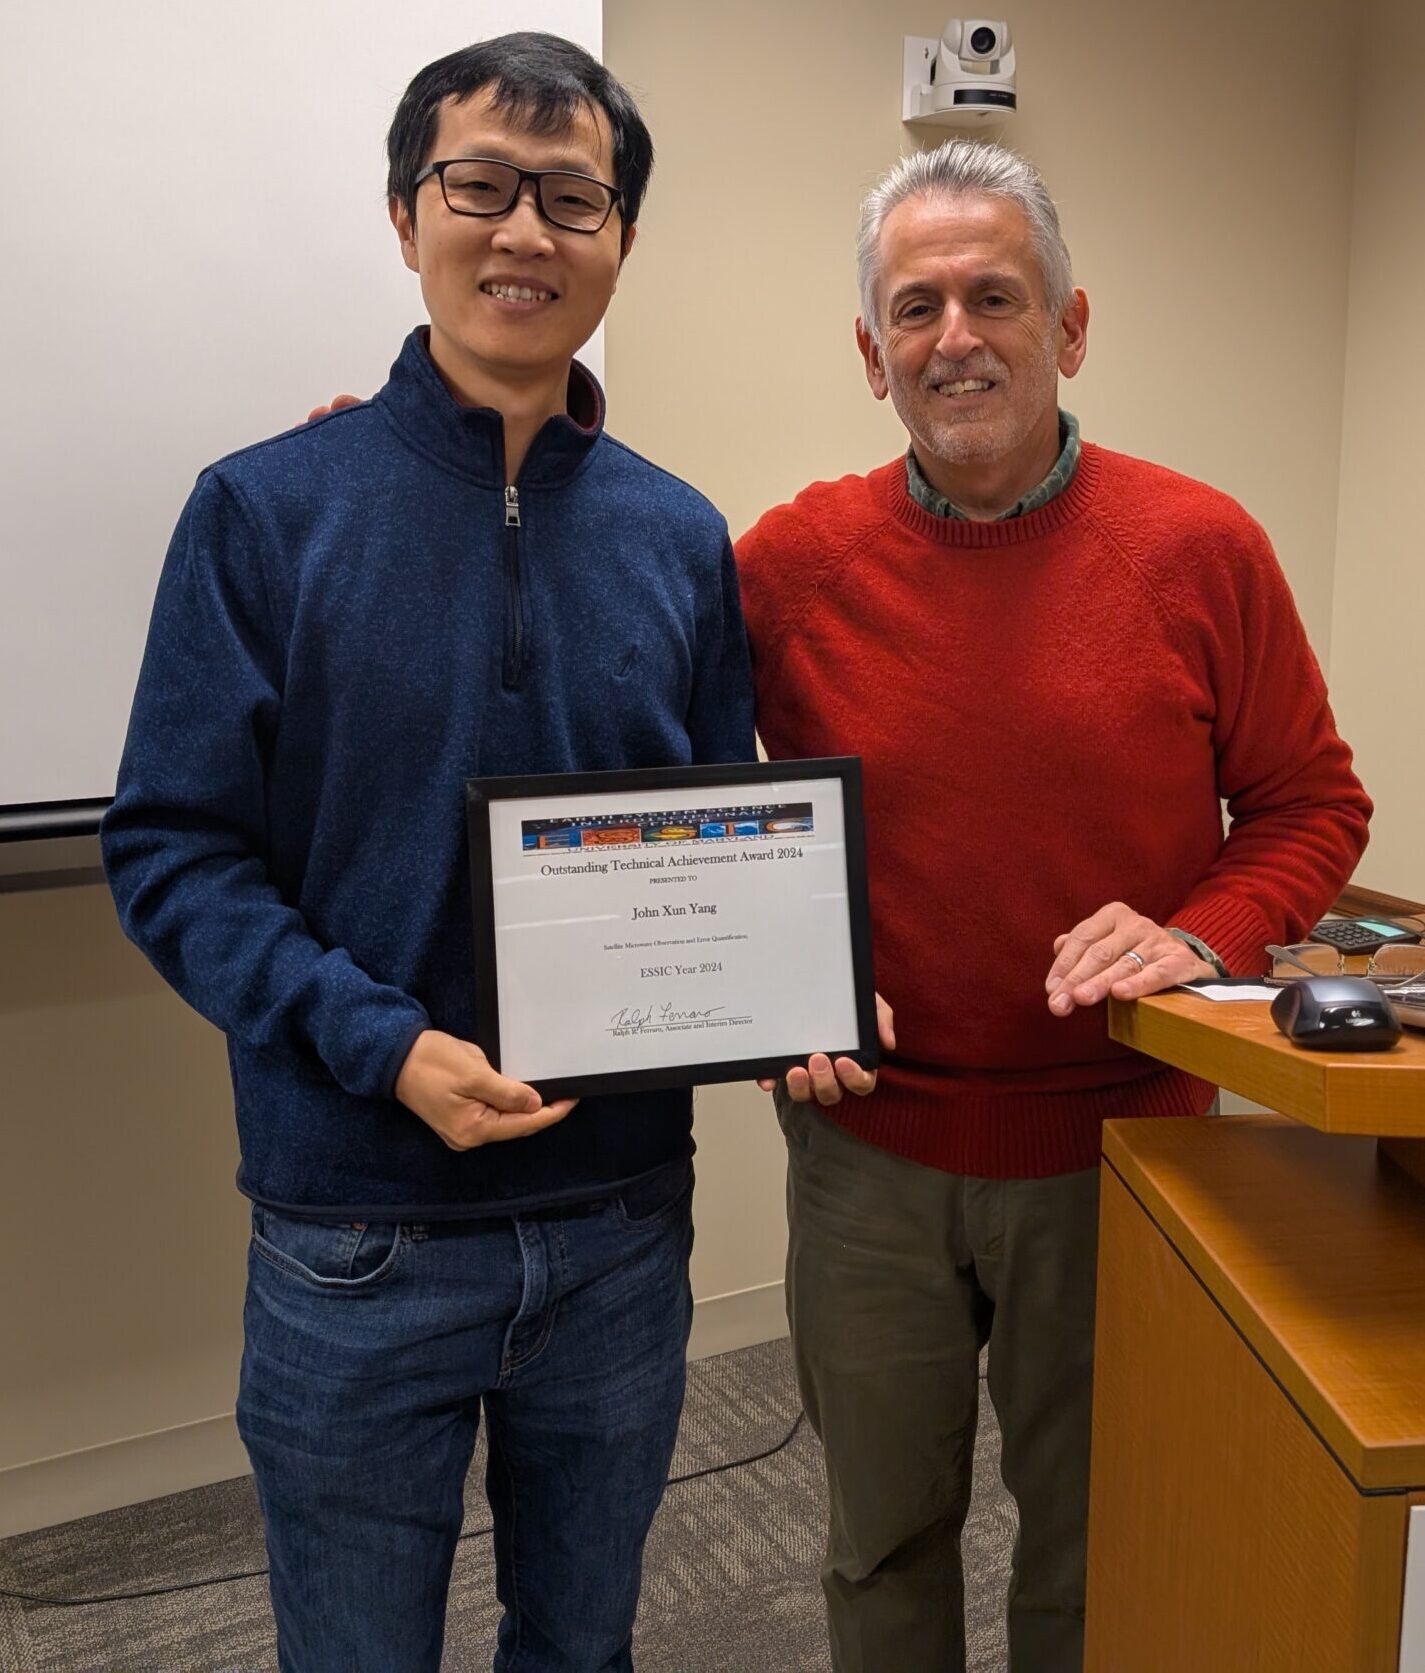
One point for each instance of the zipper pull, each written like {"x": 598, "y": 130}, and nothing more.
{"x": 512, "y": 508}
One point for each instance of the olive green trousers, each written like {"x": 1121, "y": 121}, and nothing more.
{"x": 897, "y": 1276}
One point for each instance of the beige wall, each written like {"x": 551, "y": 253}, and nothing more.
{"x": 117, "y": 1214}
{"x": 121, "y": 1236}
{"x": 1205, "y": 201}
{"x": 1208, "y": 208}
{"x": 123, "y": 1239}
{"x": 1376, "y": 645}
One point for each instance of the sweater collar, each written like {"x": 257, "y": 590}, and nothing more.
{"x": 1063, "y": 509}
{"x": 1053, "y": 484}
{"x": 471, "y": 440}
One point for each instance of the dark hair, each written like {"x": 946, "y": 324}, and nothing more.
{"x": 540, "y": 82}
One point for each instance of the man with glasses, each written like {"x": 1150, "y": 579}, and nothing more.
{"x": 1053, "y": 660}
{"x": 464, "y": 576}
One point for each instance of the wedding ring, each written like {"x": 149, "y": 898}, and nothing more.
{"x": 1137, "y": 958}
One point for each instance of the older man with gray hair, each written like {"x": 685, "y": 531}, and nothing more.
{"x": 1054, "y": 661}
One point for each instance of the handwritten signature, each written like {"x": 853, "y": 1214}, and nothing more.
{"x": 657, "y": 1014}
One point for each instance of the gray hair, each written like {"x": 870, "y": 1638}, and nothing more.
{"x": 963, "y": 168}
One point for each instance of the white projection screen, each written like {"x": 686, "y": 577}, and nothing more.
{"x": 196, "y": 253}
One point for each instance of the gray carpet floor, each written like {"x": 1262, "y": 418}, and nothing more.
{"x": 730, "y": 1580}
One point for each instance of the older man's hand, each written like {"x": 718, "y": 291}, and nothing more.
{"x": 826, "y": 1082}
{"x": 1092, "y": 960}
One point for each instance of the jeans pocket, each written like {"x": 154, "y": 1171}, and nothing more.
{"x": 346, "y": 1256}
{"x": 650, "y": 1198}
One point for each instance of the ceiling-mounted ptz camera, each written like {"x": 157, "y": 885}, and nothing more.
{"x": 963, "y": 80}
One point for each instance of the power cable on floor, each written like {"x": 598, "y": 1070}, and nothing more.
{"x": 474, "y": 1533}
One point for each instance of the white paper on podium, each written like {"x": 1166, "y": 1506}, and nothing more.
{"x": 1225, "y": 995}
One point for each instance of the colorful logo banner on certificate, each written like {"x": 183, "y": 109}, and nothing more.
{"x": 716, "y": 824}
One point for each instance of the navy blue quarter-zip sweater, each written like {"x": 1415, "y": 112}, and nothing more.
{"x": 353, "y": 618}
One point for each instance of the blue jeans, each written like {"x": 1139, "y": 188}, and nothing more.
{"x": 369, "y": 1351}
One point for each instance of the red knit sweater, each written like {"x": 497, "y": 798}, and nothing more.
{"x": 1048, "y": 710}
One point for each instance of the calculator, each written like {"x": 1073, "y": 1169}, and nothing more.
{"x": 1362, "y": 935}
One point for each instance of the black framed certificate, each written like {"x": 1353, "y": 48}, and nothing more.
{"x": 671, "y": 926}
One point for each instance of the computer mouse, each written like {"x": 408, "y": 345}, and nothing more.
{"x": 1336, "y": 1013}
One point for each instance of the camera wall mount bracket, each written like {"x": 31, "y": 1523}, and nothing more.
{"x": 980, "y": 99}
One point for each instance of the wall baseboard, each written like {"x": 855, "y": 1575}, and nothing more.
{"x": 117, "y": 1473}
{"x": 99, "y": 1478}
{"x": 739, "y": 1319}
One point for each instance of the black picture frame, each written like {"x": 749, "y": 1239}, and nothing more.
{"x": 482, "y": 793}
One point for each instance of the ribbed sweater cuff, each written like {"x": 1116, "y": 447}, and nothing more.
{"x": 1234, "y": 928}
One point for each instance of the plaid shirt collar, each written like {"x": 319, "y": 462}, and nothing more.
{"x": 931, "y": 500}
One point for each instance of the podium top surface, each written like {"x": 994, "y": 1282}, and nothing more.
{"x": 1314, "y": 1248}
{"x": 1238, "y": 1046}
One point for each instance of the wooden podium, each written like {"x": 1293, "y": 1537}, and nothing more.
{"x": 1259, "y": 1403}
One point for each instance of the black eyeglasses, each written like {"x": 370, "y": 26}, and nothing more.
{"x": 486, "y": 186}
{"x": 1398, "y": 965}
